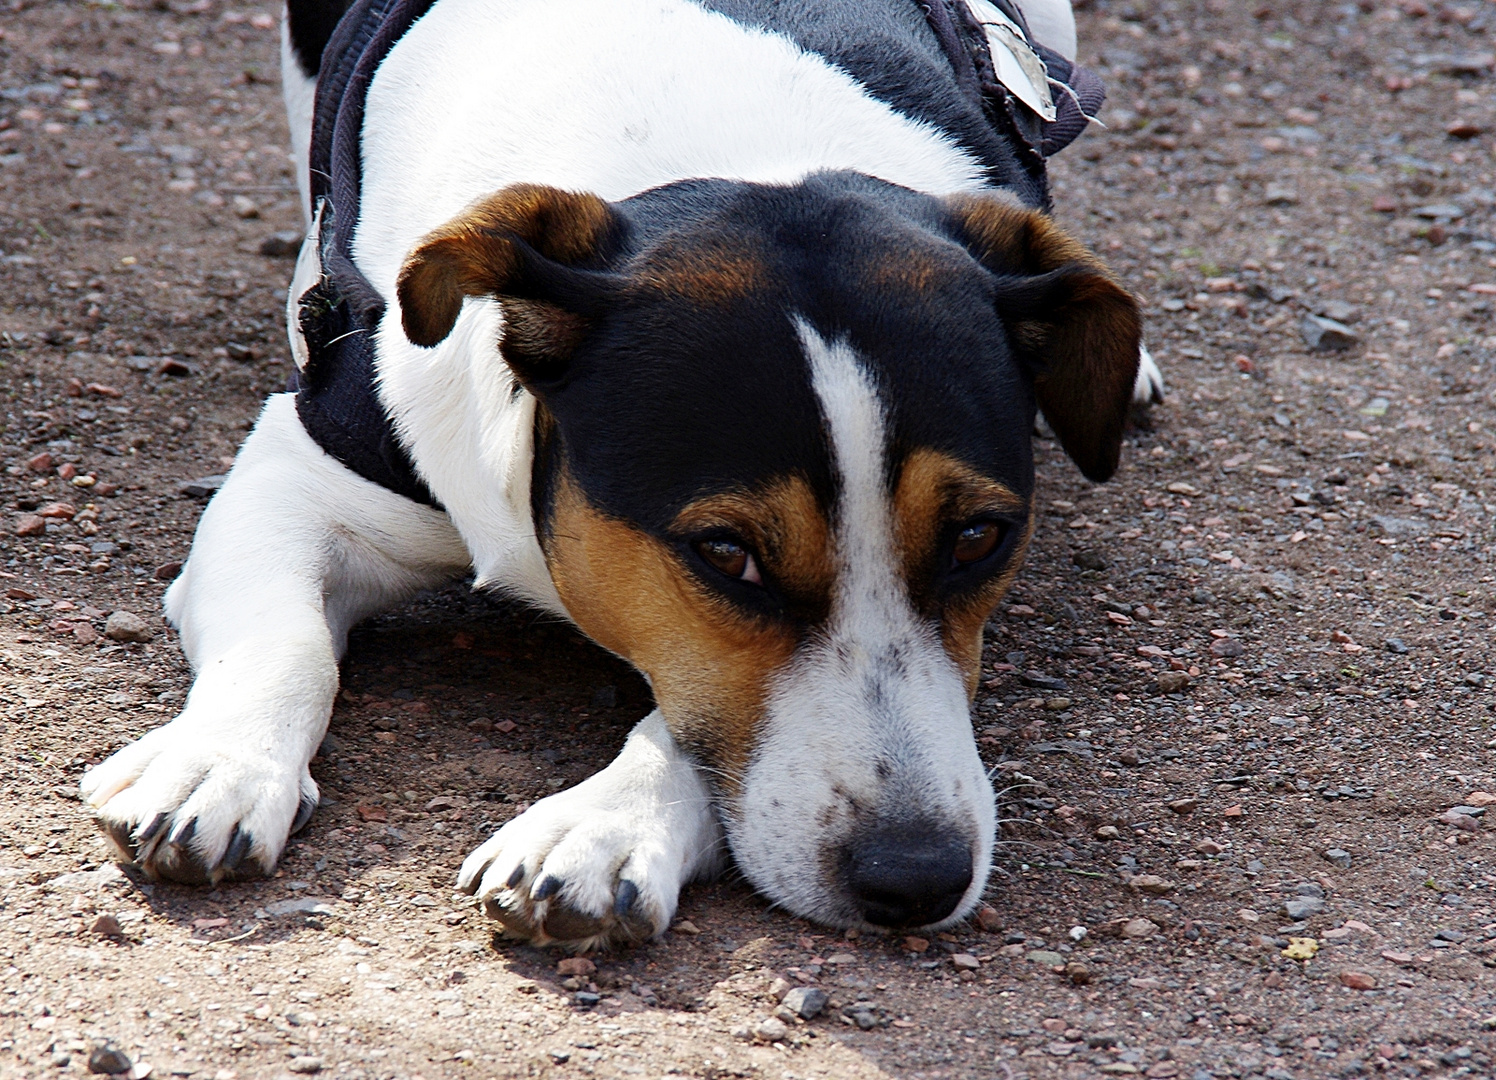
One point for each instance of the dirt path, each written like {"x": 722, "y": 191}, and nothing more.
{"x": 1306, "y": 535}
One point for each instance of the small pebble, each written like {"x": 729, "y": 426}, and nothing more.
{"x": 988, "y": 919}
{"x": 1462, "y": 822}
{"x": 916, "y": 944}
{"x": 965, "y": 962}
{"x": 1139, "y": 928}
{"x": 576, "y": 965}
{"x": 1151, "y": 884}
{"x": 1326, "y": 335}
{"x": 31, "y": 525}
{"x": 109, "y": 1060}
{"x": 126, "y": 626}
{"x": 1339, "y": 857}
{"x": 107, "y": 926}
{"x": 771, "y": 1030}
{"x": 806, "y": 1002}
{"x": 585, "y": 999}
{"x": 1173, "y": 682}
{"x": 1184, "y": 806}
{"x": 305, "y": 1064}
{"x": 1303, "y": 907}
{"x": 1078, "y": 973}
{"x": 1358, "y": 980}
{"x": 1108, "y": 832}
{"x": 1089, "y": 560}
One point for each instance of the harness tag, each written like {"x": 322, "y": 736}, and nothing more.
{"x": 1014, "y": 61}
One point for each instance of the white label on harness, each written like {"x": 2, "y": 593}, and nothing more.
{"x": 1014, "y": 61}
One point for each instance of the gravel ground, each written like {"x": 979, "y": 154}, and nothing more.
{"x": 1232, "y": 700}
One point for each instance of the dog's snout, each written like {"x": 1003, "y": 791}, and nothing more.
{"x": 908, "y": 876}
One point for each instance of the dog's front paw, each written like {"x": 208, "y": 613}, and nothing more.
{"x": 196, "y": 805}
{"x": 604, "y": 862}
{"x": 564, "y": 871}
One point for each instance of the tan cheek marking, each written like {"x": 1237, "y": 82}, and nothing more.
{"x": 935, "y": 489}
{"x": 709, "y": 664}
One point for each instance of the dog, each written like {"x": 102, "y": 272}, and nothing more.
{"x": 717, "y": 328}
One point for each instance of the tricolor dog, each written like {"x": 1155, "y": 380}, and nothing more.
{"x": 717, "y": 327}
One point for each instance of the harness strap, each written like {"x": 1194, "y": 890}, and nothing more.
{"x": 1076, "y": 93}
{"x": 335, "y": 395}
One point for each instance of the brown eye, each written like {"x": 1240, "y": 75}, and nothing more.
{"x": 975, "y": 542}
{"x": 731, "y": 559}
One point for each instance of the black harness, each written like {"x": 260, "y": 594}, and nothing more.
{"x": 338, "y": 316}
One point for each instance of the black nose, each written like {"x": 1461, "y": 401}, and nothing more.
{"x": 908, "y": 876}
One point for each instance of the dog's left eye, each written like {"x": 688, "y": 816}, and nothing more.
{"x": 730, "y": 558}
{"x": 975, "y": 542}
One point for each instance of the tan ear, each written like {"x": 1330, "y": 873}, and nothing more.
{"x": 490, "y": 249}
{"x": 1073, "y": 326}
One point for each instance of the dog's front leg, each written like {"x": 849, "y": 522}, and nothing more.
{"x": 604, "y": 862}
{"x": 291, "y": 552}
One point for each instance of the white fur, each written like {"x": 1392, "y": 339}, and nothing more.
{"x": 291, "y": 553}
{"x": 300, "y": 95}
{"x": 647, "y": 818}
{"x": 1148, "y": 389}
{"x": 878, "y": 688}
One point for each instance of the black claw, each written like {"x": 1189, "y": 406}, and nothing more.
{"x": 148, "y": 833}
{"x": 239, "y": 845}
{"x": 516, "y": 877}
{"x": 182, "y": 834}
{"x": 549, "y": 886}
{"x": 628, "y": 892}
{"x": 303, "y": 814}
{"x": 122, "y": 839}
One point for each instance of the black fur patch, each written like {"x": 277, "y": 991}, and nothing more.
{"x": 682, "y": 391}
{"x": 311, "y": 25}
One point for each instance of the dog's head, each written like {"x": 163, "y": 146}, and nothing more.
{"x": 784, "y": 467}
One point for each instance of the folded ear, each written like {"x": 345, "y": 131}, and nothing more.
{"x": 536, "y": 248}
{"x": 1073, "y": 327}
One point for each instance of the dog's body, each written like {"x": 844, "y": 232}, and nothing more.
{"x": 754, "y": 413}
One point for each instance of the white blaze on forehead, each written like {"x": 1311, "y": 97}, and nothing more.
{"x": 866, "y": 574}
{"x": 868, "y": 726}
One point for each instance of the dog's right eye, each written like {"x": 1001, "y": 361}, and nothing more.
{"x": 731, "y": 559}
